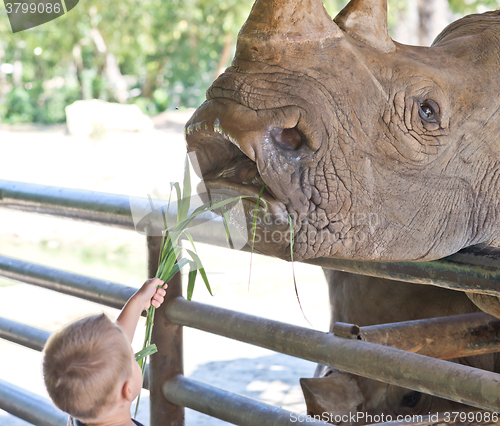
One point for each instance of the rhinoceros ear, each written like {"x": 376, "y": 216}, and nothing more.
{"x": 366, "y": 20}
{"x": 289, "y": 21}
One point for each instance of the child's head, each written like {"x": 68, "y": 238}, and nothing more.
{"x": 84, "y": 363}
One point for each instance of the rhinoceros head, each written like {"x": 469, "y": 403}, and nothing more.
{"x": 374, "y": 149}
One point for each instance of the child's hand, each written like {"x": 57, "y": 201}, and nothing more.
{"x": 152, "y": 292}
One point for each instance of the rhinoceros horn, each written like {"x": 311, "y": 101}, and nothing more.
{"x": 366, "y": 20}
{"x": 289, "y": 21}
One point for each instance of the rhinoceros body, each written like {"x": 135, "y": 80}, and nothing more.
{"x": 372, "y": 149}
{"x": 366, "y": 301}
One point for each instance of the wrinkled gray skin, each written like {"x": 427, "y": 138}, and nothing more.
{"x": 365, "y": 301}
{"x": 376, "y": 150}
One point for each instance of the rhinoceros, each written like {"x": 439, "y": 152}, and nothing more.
{"x": 371, "y": 149}
{"x": 365, "y": 301}
{"x": 375, "y": 150}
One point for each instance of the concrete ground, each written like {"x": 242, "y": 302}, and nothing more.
{"x": 139, "y": 164}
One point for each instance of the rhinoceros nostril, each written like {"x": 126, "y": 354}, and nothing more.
{"x": 287, "y": 138}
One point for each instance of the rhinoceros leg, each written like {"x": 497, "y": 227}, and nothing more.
{"x": 366, "y": 301}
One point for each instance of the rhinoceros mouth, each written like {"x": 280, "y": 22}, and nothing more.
{"x": 252, "y": 196}
{"x": 217, "y": 134}
{"x": 241, "y": 178}
{"x": 227, "y": 171}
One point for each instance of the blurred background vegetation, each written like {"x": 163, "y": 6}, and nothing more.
{"x": 157, "y": 54}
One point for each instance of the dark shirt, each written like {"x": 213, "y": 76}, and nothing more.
{"x": 74, "y": 422}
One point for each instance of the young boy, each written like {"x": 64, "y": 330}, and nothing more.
{"x": 89, "y": 366}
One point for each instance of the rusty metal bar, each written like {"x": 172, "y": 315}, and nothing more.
{"x": 472, "y": 269}
{"x": 342, "y": 329}
{"x": 230, "y": 407}
{"x": 95, "y": 290}
{"x": 467, "y": 385}
{"x": 29, "y": 406}
{"x": 167, "y": 363}
{"x": 475, "y": 268}
{"x": 444, "y": 338}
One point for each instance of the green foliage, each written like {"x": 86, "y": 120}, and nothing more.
{"x": 36, "y": 104}
{"x": 169, "y": 50}
{"x": 466, "y": 7}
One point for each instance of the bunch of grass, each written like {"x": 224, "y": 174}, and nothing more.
{"x": 169, "y": 261}
{"x": 170, "y": 264}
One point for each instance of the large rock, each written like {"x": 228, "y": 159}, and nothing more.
{"x": 92, "y": 117}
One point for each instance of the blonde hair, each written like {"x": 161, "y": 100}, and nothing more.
{"x": 83, "y": 364}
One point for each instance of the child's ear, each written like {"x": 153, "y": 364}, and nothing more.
{"x": 127, "y": 391}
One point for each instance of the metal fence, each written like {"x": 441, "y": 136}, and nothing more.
{"x": 371, "y": 354}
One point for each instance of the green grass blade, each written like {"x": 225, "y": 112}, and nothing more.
{"x": 226, "y": 226}
{"x": 147, "y": 351}
{"x": 176, "y": 268}
{"x": 179, "y": 200}
{"x": 186, "y": 191}
{"x": 229, "y": 200}
{"x": 292, "y": 237}
{"x": 178, "y": 229}
{"x": 190, "y": 238}
{"x": 169, "y": 263}
{"x": 193, "y": 269}
{"x": 203, "y": 274}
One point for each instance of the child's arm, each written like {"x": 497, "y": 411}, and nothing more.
{"x": 146, "y": 296}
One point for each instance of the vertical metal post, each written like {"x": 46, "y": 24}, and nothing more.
{"x": 168, "y": 361}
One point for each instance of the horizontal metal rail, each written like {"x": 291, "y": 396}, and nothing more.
{"x": 23, "y": 334}
{"x": 102, "y": 208}
{"x": 30, "y": 407}
{"x": 473, "y": 269}
{"x": 444, "y": 338}
{"x": 228, "y": 406}
{"x": 457, "y": 382}
{"x": 92, "y": 289}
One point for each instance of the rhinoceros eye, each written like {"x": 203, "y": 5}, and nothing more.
{"x": 428, "y": 111}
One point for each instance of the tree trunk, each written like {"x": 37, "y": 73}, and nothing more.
{"x": 434, "y": 16}
{"x": 225, "y": 56}
{"x": 421, "y": 21}
{"x": 116, "y": 83}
